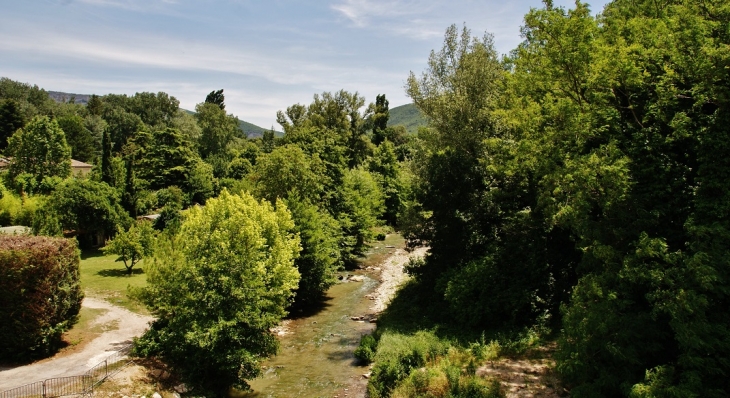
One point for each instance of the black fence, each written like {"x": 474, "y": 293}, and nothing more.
{"x": 74, "y": 385}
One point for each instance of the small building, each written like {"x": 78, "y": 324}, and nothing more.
{"x": 80, "y": 168}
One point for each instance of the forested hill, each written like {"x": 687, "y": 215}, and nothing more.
{"x": 59, "y": 96}
{"x": 251, "y": 130}
{"x": 407, "y": 115}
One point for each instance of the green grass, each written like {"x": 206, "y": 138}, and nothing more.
{"x": 105, "y": 278}
{"x": 83, "y": 331}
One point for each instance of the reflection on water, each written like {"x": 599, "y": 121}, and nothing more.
{"x": 316, "y": 359}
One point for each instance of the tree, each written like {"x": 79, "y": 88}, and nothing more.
{"x": 165, "y": 158}
{"x": 216, "y": 290}
{"x": 361, "y": 206}
{"x": 132, "y": 245}
{"x": 287, "y": 170}
{"x": 79, "y": 138}
{"x": 95, "y": 105}
{"x": 40, "y": 150}
{"x": 217, "y": 129}
{"x": 90, "y": 208}
{"x": 11, "y": 119}
{"x": 268, "y": 141}
{"x": 320, "y": 258}
{"x": 107, "y": 171}
{"x": 384, "y": 164}
{"x": 380, "y": 119}
{"x": 338, "y": 117}
{"x": 217, "y": 98}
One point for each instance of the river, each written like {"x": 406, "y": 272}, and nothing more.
{"x": 316, "y": 356}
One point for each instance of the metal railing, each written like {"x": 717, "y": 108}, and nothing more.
{"x": 74, "y": 385}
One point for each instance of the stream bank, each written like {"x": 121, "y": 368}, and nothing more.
{"x": 316, "y": 357}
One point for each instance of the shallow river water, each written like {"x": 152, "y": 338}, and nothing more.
{"x": 316, "y": 356}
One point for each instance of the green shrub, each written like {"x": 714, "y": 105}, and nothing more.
{"x": 398, "y": 355}
{"x": 10, "y": 208}
{"x": 365, "y": 352}
{"x": 40, "y": 294}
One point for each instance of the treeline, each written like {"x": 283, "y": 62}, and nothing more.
{"x": 337, "y": 167}
{"x": 248, "y": 228}
{"x": 580, "y": 184}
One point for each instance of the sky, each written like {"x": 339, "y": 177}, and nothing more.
{"x": 266, "y": 55}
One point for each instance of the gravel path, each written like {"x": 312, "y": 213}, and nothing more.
{"x": 392, "y": 276}
{"x": 127, "y": 325}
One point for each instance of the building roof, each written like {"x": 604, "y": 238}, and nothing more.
{"x": 81, "y": 165}
{"x": 4, "y": 162}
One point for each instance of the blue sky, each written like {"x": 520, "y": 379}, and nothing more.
{"x": 266, "y": 55}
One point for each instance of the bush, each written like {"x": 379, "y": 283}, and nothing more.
{"x": 365, "y": 352}
{"x": 40, "y": 294}
{"x": 398, "y": 355}
{"x": 10, "y": 208}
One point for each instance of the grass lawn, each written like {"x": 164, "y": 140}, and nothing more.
{"x": 105, "y": 278}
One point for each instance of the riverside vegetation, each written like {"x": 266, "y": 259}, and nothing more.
{"x": 572, "y": 193}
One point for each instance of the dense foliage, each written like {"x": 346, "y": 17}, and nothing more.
{"x": 40, "y": 294}
{"x": 578, "y": 184}
{"x": 217, "y": 288}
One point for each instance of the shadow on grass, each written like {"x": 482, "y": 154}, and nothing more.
{"x": 91, "y": 253}
{"x": 118, "y": 272}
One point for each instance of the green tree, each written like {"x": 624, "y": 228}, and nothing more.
{"x": 218, "y": 288}
{"x": 217, "y": 130}
{"x": 132, "y": 245}
{"x": 380, "y": 118}
{"x": 122, "y": 125}
{"x": 384, "y": 164}
{"x": 268, "y": 142}
{"x": 320, "y": 258}
{"x": 188, "y": 126}
{"x": 288, "y": 170}
{"x": 95, "y": 105}
{"x": 335, "y": 116}
{"x": 165, "y": 158}
{"x": 361, "y": 206}
{"x": 107, "y": 171}
{"x": 78, "y": 137}
{"x": 40, "y": 150}
{"x": 90, "y": 208}
{"x": 11, "y": 119}
{"x": 217, "y": 98}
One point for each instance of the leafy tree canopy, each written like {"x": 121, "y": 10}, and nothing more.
{"x": 234, "y": 258}
{"x": 40, "y": 150}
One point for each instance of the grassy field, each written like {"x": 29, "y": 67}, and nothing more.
{"x": 105, "y": 278}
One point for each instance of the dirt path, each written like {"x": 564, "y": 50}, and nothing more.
{"x": 123, "y": 326}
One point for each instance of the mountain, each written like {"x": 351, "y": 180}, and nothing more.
{"x": 66, "y": 97}
{"x": 409, "y": 116}
{"x": 254, "y": 131}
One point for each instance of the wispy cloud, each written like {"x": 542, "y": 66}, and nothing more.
{"x": 361, "y": 12}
